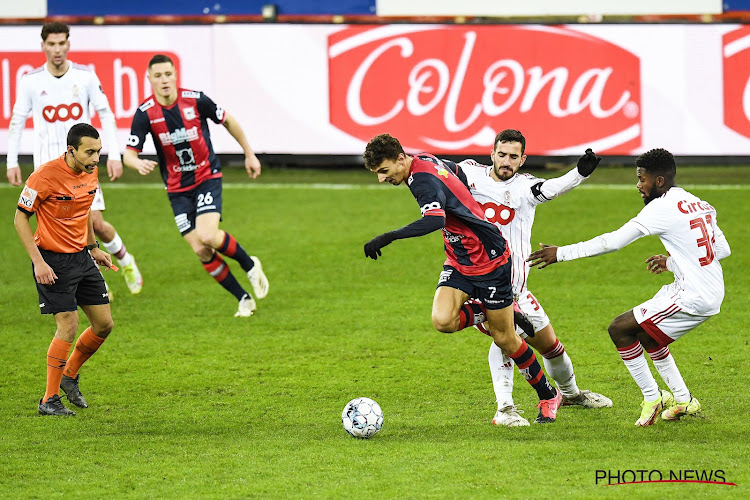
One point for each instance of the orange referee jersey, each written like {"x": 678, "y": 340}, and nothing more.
{"x": 61, "y": 200}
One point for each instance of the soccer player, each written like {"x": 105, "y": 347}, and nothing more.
{"x": 177, "y": 120}
{"x": 687, "y": 227}
{"x": 509, "y": 200}
{"x": 59, "y": 94}
{"x": 63, "y": 250}
{"x": 477, "y": 263}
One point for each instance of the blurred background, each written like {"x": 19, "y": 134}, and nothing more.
{"x": 312, "y": 82}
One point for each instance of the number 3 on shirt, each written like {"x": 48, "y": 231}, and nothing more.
{"x": 705, "y": 240}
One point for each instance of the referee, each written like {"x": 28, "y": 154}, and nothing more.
{"x": 63, "y": 251}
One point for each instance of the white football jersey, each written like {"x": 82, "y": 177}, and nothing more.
{"x": 56, "y": 104}
{"x": 686, "y": 226}
{"x": 511, "y": 206}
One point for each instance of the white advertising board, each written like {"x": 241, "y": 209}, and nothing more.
{"x": 327, "y": 89}
{"x": 534, "y": 8}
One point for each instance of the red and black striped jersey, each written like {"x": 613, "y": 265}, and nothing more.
{"x": 473, "y": 245}
{"x": 181, "y": 137}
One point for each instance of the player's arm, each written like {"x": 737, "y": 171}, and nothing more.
{"x": 21, "y": 110}
{"x": 138, "y": 130}
{"x": 100, "y": 256}
{"x": 604, "y": 243}
{"x": 428, "y": 192}
{"x": 252, "y": 164}
{"x": 549, "y": 189}
{"x": 109, "y": 128}
{"x": 43, "y": 274}
{"x": 425, "y": 225}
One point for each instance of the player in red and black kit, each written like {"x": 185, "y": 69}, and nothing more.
{"x": 477, "y": 263}
{"x": 177, "y": 120}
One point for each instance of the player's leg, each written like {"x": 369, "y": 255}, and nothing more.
{"x": 209, "y": 204}
{"x": 625, "y": 333}
{"x": 58, "y": 299}
{"x": 184, "y": 207}
{"x": 662, "y": 323}
{"x": 501, "y": 369}
{"x": 495, "y": 292}
{"x": 112, "y": 242}
{"x": 57, "y": 356}
{"x": 92, "y": 298}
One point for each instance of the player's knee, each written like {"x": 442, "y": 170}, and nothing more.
{"x": 103, "y": 328}
{"x": 616, "y": 331}
{"x": 209, "y": 238}
{"x": 444, "y": 323}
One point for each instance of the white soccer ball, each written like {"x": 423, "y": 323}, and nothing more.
{"x": 362, "y": 417}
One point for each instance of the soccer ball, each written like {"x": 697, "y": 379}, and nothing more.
{"x": 362, "y": 417}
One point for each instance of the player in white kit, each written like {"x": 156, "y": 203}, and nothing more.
{"x": 687, "y": 227}
{"x": 58, "y": 95}
{"x": 509, "y": 200}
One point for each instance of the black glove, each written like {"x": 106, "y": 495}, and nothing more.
{"x": 372, "y": 247}
{"x": 587, "y": 163}
{"x": 522, "y": 321}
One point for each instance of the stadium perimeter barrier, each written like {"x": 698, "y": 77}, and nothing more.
{"x": 313, "y": 93}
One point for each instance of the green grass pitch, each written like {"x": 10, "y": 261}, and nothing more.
{"x": 189, "y": 402}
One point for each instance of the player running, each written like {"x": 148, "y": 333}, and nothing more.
{"x": 477, "y": 258}
{"x": 509, "y": 201}
{"x": 687, "y": 227}
{"x": 177, "y": 120}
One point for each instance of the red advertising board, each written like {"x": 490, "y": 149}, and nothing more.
{"x": 122, "y": 75}
{"x": 451, "y": 88}
{"x": 736, "y": 52}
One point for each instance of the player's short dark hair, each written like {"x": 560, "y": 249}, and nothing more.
{"x": 54, "y": 27}
{"x": 511, "y": 135}
{"x": 79, "y": 131}
{"x": 657, "y": 161}
{"x": 381, "y": 148}
{"x": 158, "y": 59}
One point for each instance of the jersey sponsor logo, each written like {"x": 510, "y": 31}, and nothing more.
{"x": 696, "y": 206}
{"x": 187, "y": 161}
{"x": 219, "y": 113}
{"x": 157, "y": 120}
{"x": 133, "y": 141}
{"x": 430, "y": 206}
{"x": 498, "y": 214}
{"x": 27, "y": 197}
{"x": 62, "y": 112}
{"x": 189, "y": 113}
{"x": 736, "y": 52}
{"x": 450, "y": 89}
{"x": 179, "y": 136}
{"x": 191, "y": 94}
{"x": 452, "y": 237}
{"x": 147, "y": 105}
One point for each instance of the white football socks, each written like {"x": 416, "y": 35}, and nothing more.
{"x": 501, "y": 368}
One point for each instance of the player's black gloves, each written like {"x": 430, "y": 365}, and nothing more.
{"x": 522, "y": 321}
{"x": 587, "y": 163}
{"x": 372, "y": 247}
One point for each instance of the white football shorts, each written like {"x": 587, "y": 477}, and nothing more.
{"x": 98, "y": 203}
{"x": 533, "y": 310}
{"x": 664, "y": 320}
